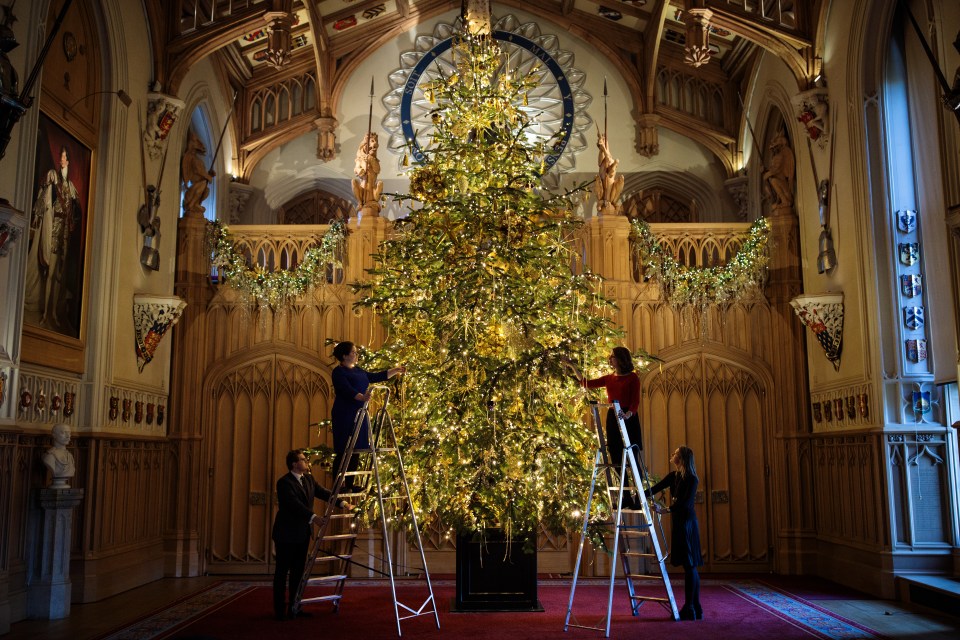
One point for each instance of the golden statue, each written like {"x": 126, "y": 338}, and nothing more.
{"x": 366, "y": 187}
{"x": 608, "y": 185}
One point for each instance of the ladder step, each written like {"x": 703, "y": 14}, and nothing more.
{"x": 357, "y": 473}
{"x": 387, "y": 450}
{"x": 322, "y": 580}
{"x": 342, "y": 516}
{"x": 649, "y": 599}
{"x": 345, "y": 556}
{"x": 358, "y": 494}
{"x": 640, "y": 554}
{"x": 329, "y": 598}
{"x": 644, "y": 576}
{"x": 341, "y": 536}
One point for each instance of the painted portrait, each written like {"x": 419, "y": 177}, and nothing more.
{"x": 56, "y": 259}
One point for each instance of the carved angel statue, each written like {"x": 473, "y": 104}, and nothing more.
{"x": 195, "y": 173}
{"x": 778, "y": 178}
{"x": 366, "y": 187}
{"x": 608, "y": 185}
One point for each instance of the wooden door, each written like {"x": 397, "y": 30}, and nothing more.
{"x": 716, "y": 407}
{"x": 257, "y": 411}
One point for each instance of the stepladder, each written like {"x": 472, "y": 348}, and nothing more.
{"x": 617, "y": 489}
{"x": 373, "y": 477}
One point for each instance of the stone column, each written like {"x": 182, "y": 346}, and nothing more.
{"x": 48, "y": 594}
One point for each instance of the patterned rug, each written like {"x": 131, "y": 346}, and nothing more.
{"x": 242, "y": 609}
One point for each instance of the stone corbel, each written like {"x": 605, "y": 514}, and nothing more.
{"x": 648, "y": 138}
{"x": 738, "y": 188}
{"x": 152, "y": 316}
{"x": 813, "y": 109}
{"x": 326, "y": 138}
{"x": 162, "y": 113}
{"x": 239, "y": 197}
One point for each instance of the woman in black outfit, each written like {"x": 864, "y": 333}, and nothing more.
{"x": 685, "y": 533}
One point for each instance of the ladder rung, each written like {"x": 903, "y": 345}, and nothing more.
{"x": 329, "y": 598}
{"x": 644, "y": 576}
{"x": 641, "y": 529}
{"x": 640, "y": 554}
{"x": 357, "y": 473}
{"x": 321, "y": 580}
{"x": 649, "y": 598}
{"x": 341, "y": 536}
{"x": 634, "y": 533}
{"x": 359, "y": 494}
{"x": 343, "y": 556}
{"x": 342, "y": 516}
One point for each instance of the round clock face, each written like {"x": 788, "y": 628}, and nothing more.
{"x": 556, "y": 106}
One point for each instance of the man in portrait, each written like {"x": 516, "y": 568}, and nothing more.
{"x": 55, "y": 219}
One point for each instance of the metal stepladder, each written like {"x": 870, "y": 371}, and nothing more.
{"x": 637, "y": 541}
{"x": 335, "y": 538}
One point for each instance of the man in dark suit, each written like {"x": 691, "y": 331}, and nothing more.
{"x": 296, "y": 492}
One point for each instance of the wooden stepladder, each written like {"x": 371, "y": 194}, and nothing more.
{"x": 637, "y": 532}
{"x": 335, "y": 538}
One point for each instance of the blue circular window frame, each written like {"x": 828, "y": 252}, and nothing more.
{"x": 406, "y": 103}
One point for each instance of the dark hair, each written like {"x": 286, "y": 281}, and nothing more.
{"x": 292, "y": 457}
{"x": 342, "y": 350}
{"x": 64, "y": 150}
{"x": 624, "y": 359}
{"x": 687, "y": 462}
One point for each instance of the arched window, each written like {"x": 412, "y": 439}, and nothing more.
{"x": 916, "y": 321}
{"x": 283, "y": 101}
{"x": 256, "y": 115}
{"x": 200, "y": 126}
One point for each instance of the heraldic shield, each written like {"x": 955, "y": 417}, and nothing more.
{"x": 916, "y": 350}
{"x": 907, "y": 220}
{"x": 909, "y": 253}
{"x": 913, "y": 318}
{"x": 911, "y": 285}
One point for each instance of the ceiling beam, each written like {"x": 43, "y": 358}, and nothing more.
{"x": 652, "y": 38}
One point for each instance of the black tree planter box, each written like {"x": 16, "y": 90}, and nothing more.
{"x": 491, "y": 577}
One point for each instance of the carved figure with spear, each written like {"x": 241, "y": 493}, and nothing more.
{"x": 366, "y": 187}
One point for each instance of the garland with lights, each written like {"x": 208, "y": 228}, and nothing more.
{"x": 476, "y": 291}
{"x": 275, "y": 289}
{"x": 698, "y": 287}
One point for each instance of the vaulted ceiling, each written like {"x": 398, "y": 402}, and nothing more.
{"x": 651, "y": 43}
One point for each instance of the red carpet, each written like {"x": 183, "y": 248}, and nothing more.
{"x": 742, "y": 609}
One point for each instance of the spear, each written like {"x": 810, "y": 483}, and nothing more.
{"x": 753, "y": 134}
{"x": 604, "y": 106}
{"x": 223, "y": 131}
{"x": 370, "y": 116}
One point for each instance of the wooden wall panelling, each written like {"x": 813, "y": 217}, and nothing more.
{"x": 260, "y": 409}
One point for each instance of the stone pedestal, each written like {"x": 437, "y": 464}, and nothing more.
{"x": 48, "y": 593}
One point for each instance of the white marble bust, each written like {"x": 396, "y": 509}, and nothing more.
{"x": 58, "y": 459}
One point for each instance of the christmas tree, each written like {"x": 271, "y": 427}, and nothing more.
{"x": 481, "y": 301}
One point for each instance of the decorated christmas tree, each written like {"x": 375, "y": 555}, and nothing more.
{"x": 478, "y": 291}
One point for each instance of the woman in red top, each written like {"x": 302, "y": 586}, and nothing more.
{"x": 624, "y": 387}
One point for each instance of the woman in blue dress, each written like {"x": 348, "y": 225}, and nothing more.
{"x": 351, "y": 389}
{"x": 685, "y": 532}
